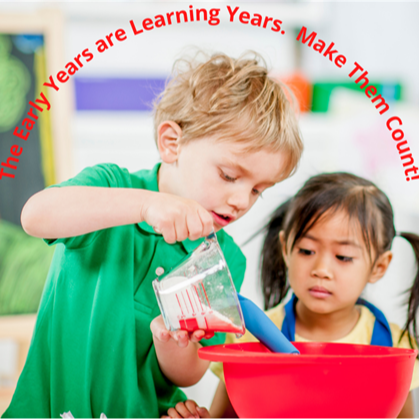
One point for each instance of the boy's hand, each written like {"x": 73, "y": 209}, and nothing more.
{"x": 182, "y": 337}
{"x": 188, "y": 409}
{"x": 176, "y": 218}
{"x": 178, "y": 360}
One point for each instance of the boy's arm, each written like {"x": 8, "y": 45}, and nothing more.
{"x": 75, "y": 210}
{"x": 177, "y": 353}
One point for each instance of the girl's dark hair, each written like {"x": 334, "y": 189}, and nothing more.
{"x": 331, "y": 192}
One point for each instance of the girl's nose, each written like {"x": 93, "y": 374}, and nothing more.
{"x": 321, "y": 269}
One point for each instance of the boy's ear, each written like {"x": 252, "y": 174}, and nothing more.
{"x": 380, "y": 267}
{"x": 283, "y": 247}
{"x": 168, "y": 137}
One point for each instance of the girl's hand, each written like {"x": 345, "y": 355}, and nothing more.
{"x": 181, "y": 337}
{"x": 188, "y": 409}
{"x": 176, "y": 218}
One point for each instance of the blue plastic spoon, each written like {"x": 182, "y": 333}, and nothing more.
{"x": 263, "y": 328}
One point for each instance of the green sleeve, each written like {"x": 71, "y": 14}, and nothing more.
{"x": 105, "y": 175}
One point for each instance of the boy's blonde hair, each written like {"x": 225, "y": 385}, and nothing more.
{"x": 231, "y": 99}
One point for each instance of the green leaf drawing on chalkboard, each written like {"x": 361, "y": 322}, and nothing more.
{"x": 24, "y": 265}
{"x": 14, "y": 85}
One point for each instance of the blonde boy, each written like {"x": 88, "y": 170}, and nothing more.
{"x": 225, "y": 133}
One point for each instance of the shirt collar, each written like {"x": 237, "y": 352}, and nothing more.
{"x": 150, "y": 183}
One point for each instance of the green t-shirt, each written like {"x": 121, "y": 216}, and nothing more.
{"x": 92, "y": 349}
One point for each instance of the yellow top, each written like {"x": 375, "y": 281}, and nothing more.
{"x": 360, "y": 334}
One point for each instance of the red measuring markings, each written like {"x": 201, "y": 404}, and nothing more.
{"x": 197, "y": 313}
{"x": 203, "y": 289}
{"x": 211, "y": 321}
{"x": 188, "y": 303}
{"x": 180, "y": 305}
{"x": 199, "y": 300}
{"x": 193, "y": 309}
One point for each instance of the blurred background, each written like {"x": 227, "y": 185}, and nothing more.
{"x": 103, "y": 114}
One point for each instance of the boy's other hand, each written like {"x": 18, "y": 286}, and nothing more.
{"x": 181, "y": 337}
{"x": 188, "y": 409}
{"x": 176, "y": 218}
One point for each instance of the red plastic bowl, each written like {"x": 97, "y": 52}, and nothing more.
{"x": 326, "y": 380}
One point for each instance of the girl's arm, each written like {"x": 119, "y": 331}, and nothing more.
{"x": 75, "y": 210}
{"x": 408, "y": 410}
{"x": 221, "y": 402}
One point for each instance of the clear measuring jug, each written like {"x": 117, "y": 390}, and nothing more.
{"x": 199, "y": 293}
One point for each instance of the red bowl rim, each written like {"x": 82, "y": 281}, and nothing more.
{"x": 230, "y": 353}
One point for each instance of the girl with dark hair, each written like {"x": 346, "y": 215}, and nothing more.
{"x": 326, "y": 244}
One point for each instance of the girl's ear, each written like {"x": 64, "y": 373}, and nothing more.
{"x": 283, "y": 246}
{"x": 380, "y": 267}
{"x": 168, "y": 137}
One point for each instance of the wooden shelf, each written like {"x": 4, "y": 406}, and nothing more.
{"x": 19, "y": 329}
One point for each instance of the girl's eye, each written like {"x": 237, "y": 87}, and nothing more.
{"x": 228, "y": 178}
{"x": 305, "y": 252}
{"x": 256, "y": 192}
{"x": 344, "y": 258}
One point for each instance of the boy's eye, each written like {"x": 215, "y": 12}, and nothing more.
{"x": 305, "y": 252}
{"x": 227, "y": 177}
{"x": 344, "y": 258}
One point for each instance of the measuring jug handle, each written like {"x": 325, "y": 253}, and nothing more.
{"x": 264, "y": 329}
{"x": 211, "y": 236}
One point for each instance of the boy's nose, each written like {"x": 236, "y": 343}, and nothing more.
{"x": 239, "y": 200}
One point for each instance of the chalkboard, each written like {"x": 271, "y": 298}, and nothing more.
{"x": 22, "y": 61}
{"x": 31, "y": 49}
